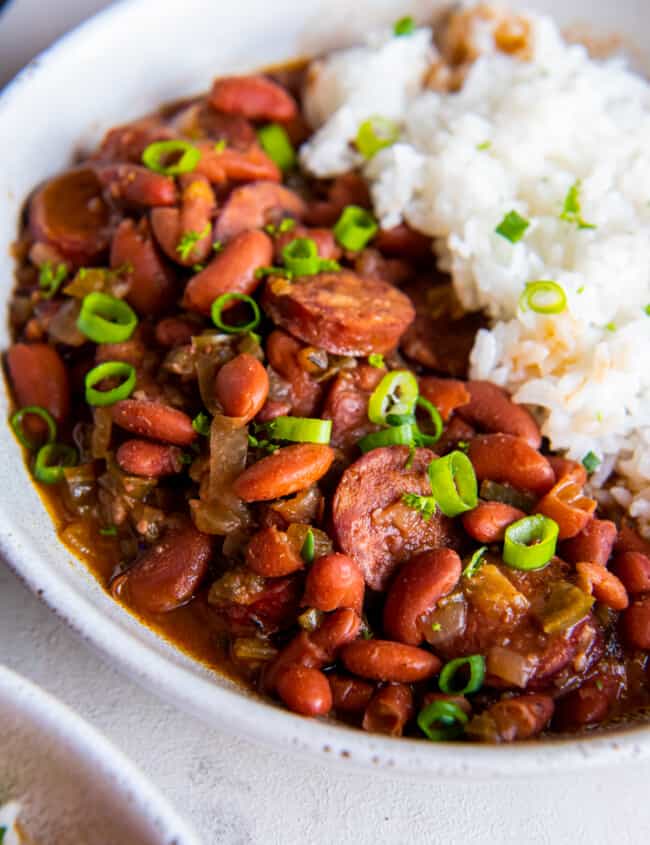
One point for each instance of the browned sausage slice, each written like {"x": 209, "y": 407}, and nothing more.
{"x": 373, "y": 525}
{"x": 70, "y": 213}
{"x": 340, "y": 312}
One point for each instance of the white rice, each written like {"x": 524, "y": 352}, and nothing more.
{"x": 518, "y": 136}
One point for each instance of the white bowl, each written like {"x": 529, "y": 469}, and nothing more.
{"x": 122, "y": 63}
{"x": 71, "y": 783}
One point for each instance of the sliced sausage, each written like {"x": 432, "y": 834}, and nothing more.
{"x": 151, "y": 281}
{"x": 372, "y": 523}
{"x": 286, "y": 471}
{"x": 168, "y": 574}
{"x": 340, "y": 312}
{"x": 256, "y": 205}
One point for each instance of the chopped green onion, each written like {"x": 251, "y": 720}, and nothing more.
{"x": 376, "y": 360}
{"x": 484, "y": 145}
{"x": 106, "y": 319}
{"x": 201, "y": 424}
{"x": 16, "y": 423}
{"x": 530, "y": 542}
{"x": 300, "y": 429}
{"x": 189, "y": 240}
{"x": 277, "y": 145}
{"x": 50, "y": 280}
{"x": 426, "y": 505}
{"x": 476, "y": 666}
{"x": 400, "y": 419}
{"x": 436, "y": 419}
{"x": 328, "y": 265}
{"x": 301, "y": 257}
{"x": 262, "y": 444}
{"x": 411, "y": 457}
{"x": 220, "y": 146}
{"x": 543, "y": 297}
{"x": 571, "y": 211}
{"x": 475, "y": 562}
{"x": 453, "y": 483}
{"x": 222, "y": 301}
{"x": 186, "y": 156}
{"x": 463, "y": 446}
{"x": 396, "y": 393}
{"x": 442, "y": 720}
{"x": 610, "y": 327}
{"x": 376, "y": 134}
{"x": 646, "y": 310}
{"x": 404, "y": 26}
{"x": 308, "y": 547}
{"x": 50, "y": 461}
{"x": 399, "y": 435}
{"x": 108, "y": 531}
{"x": 436, "y": 626}
{"x": 198, "y": 268}
{"x": 355, "y": 227}
{"x": 217, "y": 246}
{"x": 273, "y": 271}
{"x": 591, "y": 462}
{"x": 111, "y": 369}
{"x": 512, "y": 227}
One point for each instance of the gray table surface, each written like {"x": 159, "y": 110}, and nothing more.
{"x": 237, "y": 793}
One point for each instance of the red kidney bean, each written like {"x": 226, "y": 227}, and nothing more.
{"x": 168, "y": 574}
{"x": 334, "y": 581}
{"x": 231, "y": 271}
{"x": 128, "y": 142}
{"x": 200, "y": 120}
{"x": 151, "y": 281}
{"x": 487, "y": 523}
{"x": 173, "y": 331}
{"x": 135, "y": 185}
{"x": 349, "y": 695}
{"x": 271, "y": 554}
{"x": 594, "y": 543}
{"x": 129, "y": 351}
{"x": 255, "y": 97}
{"x": 403, "y": 242}
{"x": 605, "y": 586}
{"x": 447, "y": 394}
{"x": 305, "y": 691}
{"x": 273, "y": 409}
{"x": 635, "y": 623}
{"x": 39, "y": 377}
{"x": 152, "y": 460}
{"x": 346, "y": 189}
{"x": 507, "y": 459}
{"x": 323, "y": 238}
{"x": 382, "y": 660}
{"x": 69, "y": 213}
{"x": 389, "y": 710}
{"x": 563, "y": 467}
{"x": 522, "y": 717}
{"x": 370, "y": 262}
{"x": 633, "y": 569}
{"x": 242, "y": 386}
{"x": 335, "y": 631}
{"x": 283, "y": 353}
{"x": 566, "y": 504}
{"x": 194, "y": 217}
{"x": 289, "y": 470}
{"x": 254, "y": 206}
{"x": 587, "y": 705}
{"x": 302, "y": 651}
{"x": 230, "y": 165}
{"x": 491, "y": 408}
{"x": 456, "y": 431}
{"x": 630, "y": 540}
{"x": 154, "y": 420}
{"x": 416, "y": 589}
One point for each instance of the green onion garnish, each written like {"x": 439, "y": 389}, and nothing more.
{"x": 108, "y": 531}
{"x": 51, "y": 279}
{"x": 3, "y": 830}
{"x": 220, "y": 146}
{"x": 261, "y": 272}
{"x": 610, "y": 327}
{"x": 376, "y": 360}
{"x": 530, "y": 542}
{"x": 375, "y": 134}
{"x": 355, "y": 227}
{"x": 512, "y": 227}
{"x": 217, "y": 246}
{"x": 189, "y": 240}
{"x": 426, "y": 505}
{"x": 571, "y": 211}
{"x": 543, "y": 297}
{"x": 111, "y": 369}
{"x": 399, "y": 435}
{"x": 222, "y": 301}
{"x": 308, "y": 547}
{"x": 396, "y": 393}
{"x": 453, "y": 483}
{"x": 646, "y": 310}
{"x": 484, "y": 145}
{"x": 300, "y": 429}
{"x": 591, "y": 462}
{"x": 404, "y": 26}
{"x": 448, "y": 676}
{"x": 16, "y": 423}
{"x": 301, "y": 257}
{"x": 436, "y": 626}
{"x": 276, "y": 144}
{"x": 475, "y": 562}
{"x": 185, "y": 157}
{"x": 201, "y": 424}
{"x": 436, "y": 419}
{"x": 266, "y": 445}
{"x": 106, "y": 319}
{"x": 442, "y": 720}
{"x": 50, "y": 461}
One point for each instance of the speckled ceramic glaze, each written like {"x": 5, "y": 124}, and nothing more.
{"x": 121, "y": 64}
{"x": 72, "y": 785}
